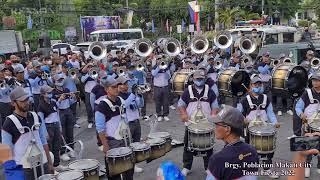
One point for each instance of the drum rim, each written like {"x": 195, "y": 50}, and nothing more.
{"x": 165, "y": 137}
{"x": 163, "y": 142}
{"x": 75, "y": 170}
{"x": 204, "y": 131}
{"x": 116, "y": 156}
{"x": 141, "y": 150}
{"x": 88, "y": 169}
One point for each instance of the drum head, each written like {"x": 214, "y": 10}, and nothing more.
{"x": 84, "y": 164}
{"x": 139, "y": 146}
{"x": 70, "y": 175}
{"x": 239, "y": 78}
{"x": 159, "y": 135}
{"x": 263, "y": 130}
{"x": 297, "y": 80}
{"x": 119, "y": 152}
{"x": 155, "y": 141}
{"x": 47, "y": 177}
{"x": 201, "y": 128}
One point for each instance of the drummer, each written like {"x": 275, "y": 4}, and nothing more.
{"x": 257, "y": 97}
{"x": 187, "y": 105}
{"x": 306, "y": 106}
{"x": 107, "y": 120}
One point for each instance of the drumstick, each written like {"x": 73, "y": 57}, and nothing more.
{"x": 245, "y": 86}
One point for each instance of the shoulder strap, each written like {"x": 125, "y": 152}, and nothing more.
{"x": 191, "y": 95}
{"x": 17, "y": 123}
{"x": 264, "y": 103}
{"x": 250, "y": 102}
{"x": 109, "y": 103}
{"x": 206, "y": 90}
{"x": 122, "y": 100}
{"x": 309, "y": 92}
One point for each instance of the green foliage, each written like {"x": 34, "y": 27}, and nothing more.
{"x": 303, "y": 23}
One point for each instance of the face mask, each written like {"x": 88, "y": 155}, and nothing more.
{"x": 60, "y": 83}
{"x": 199, "y": 83}
{"x": 258, "y": 90}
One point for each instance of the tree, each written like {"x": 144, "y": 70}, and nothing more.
{"x": 227, "y": 17}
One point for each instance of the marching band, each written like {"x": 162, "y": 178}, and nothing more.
{"x": 42, "y": 95}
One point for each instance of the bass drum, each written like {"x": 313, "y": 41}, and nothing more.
{"x": 289, "y": 79}
{"x": 230, "y": 82}
{"x": 180, "y": 80}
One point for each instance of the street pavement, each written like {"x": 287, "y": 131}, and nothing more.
{"x": 176, "y": 128}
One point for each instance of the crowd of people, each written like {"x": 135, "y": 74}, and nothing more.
{"x": 39, "y": 97}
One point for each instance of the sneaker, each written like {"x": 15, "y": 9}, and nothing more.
{"x": 72, "y": 154}
{"x": 172, "y": 107}
{"x": 290, "y": 112}
{"x": 185, "y": 171}
{"x": 137, "y": 169}
{"x": 65, "y": 157}
{"x": 291, "y": 136}
{"x": 146, "y": 118}
{"x": 279, "y": 113}
{"x": 77, "y": 126}
{"x": 90, "y": 125}
{"x": 306, "y": 172}
{"x": 61, "y": 168}
{"x": 166, "y": 118}
{"x": 159, "y": 118}
{"x": 101, "y": 148}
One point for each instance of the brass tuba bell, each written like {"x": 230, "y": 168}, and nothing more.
{"x": 247, "y": 45}
{"x": 94, "y": 73}
{"x": 223, "y": 40}
{"x": 97, "y": 50}
{"x": 246, "y": 60}
{"x": 121, "y": 71}
{"x": 218, "y": 64}
{"x": 275, "y": 62}
{"x": 143, "y": 47}
{"x": 172, "y": 47}
{"x": 73, "y": 73}
{"x": 315, "y": 63}
{"x": 199, "y": 44}
{"x": 287, "y": 60}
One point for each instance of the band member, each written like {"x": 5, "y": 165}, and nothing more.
{"x": 108, "y": 121}
{"x": 48, "y": 113}
{"x": 229, "y": 128}
{"x": 133, "y": 101}
{"x": 161, "y": 79}
{"x": 64, "y": 99}
{"x": 89, "y": 83}
{"x": 306, "y": 107}
{"x": 20, "y": 139}
{"x": 250, "y": 105}
{"x": 264, "y": 70}
{"x": 187, "y": 104}
{"x": 236, "y": 45}
{"x": 235, "y": 60}
{"x": 5, "y": 107}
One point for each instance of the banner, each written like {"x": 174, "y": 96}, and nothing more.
{"x": 94, "y": 23}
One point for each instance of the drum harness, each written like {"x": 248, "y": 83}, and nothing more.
{"x": 198, "y": 115}
{"x": 34, "y": 156}
{"x": 315, "y": 115}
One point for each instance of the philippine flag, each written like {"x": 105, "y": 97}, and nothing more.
{"x": 194, "y": 13}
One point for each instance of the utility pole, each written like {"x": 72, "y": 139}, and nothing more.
{"x": 262, "y": 8}
{"x": 216, "y": 14}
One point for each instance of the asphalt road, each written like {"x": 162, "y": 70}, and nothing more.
{"x": 176, "y": 128}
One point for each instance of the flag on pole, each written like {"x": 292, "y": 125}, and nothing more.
{"x": 167, "y": 26}
{"x": 194, "y": 9}
{"x": 29, "y": 23}
{"x": 152, "y": 27}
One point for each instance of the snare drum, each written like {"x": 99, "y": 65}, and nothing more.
{"x": 200, "y": 137}
{"x": 314, "y": 126}
{"x": 47, "y": 177}
{"x": 89, "y": 167}
{"x": 180, "y": 80}
{"x": 263, "y": 138}
{"x": 141, "y": 151}
{"x": 164, "y": 135}
{"x": 70, "y": 175}
{"x": 119, "y": 160}
{"x": 158, "y": 148}
{"x": 289, "y": 78}
{"x": 230, "y": 82}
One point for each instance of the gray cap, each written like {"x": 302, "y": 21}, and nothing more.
{"x": 255, "y": 78}
{"x": 36, "y": 63}
{"x": 18, "y": 94}
{"x": 198, "y": 74}
{"x": 46, "y": 89}
{"x": 108, "y": 81}
{"x": 230, "y": 116}
{"x": 115, "y": 63}
{"x": 18, "y": 69}
{"x": 2, "y": 67}
{"x": 122, "y": 79}
{"x": 316, "y": 75}
{"x": 310, "y": 52}
{"x": 282, "y": 55}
